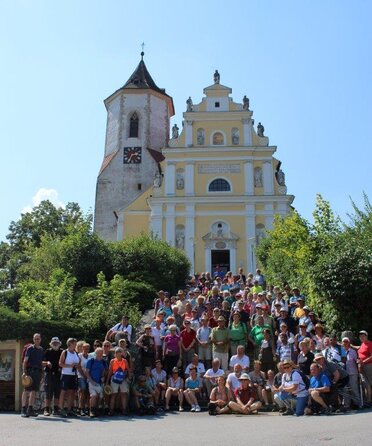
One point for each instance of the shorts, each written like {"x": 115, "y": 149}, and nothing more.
{"x": 69, "y": 382}
{"x": 52, "y": 385}
{"x": 123, "y": 387}
{"x": 367, "y": 373}
{"x": 83, "y": 384}
{"x": 36, "y": 379}
{"x": 205, "y": 353}
{"x": 95, "y": 389}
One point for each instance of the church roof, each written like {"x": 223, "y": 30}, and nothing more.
{"x": 158, "y": 156}
{"x": 141, "y": 78}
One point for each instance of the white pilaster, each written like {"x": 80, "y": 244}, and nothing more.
{"x": 190, "y": 234}
{"x": 156, "y": 222}
{"x": 170, "y": 179}
{"x": 250, "y": 231}
{"x": 188, "y": 133}
{"x": 120, "y": 227}
{"x": 269, "y": 219}
{"x": 268, "y": 178}
{"x": 189, "y": 179}
{"x": 170, "y": 224}
{"x": 247, "y": 132}
{"x": 233, "y": 260}
{"x": 208, "y": 265}
{"x": 248, "y": 178}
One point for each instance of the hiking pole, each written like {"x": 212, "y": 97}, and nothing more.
{"x": 361, "y": 389}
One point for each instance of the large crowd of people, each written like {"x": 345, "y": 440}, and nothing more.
{"x": 227, "y": 342}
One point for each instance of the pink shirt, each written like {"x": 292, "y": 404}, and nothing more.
{"x": 172, "y": 344}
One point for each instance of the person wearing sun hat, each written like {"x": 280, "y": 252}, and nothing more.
{"x": 246, "y": 397}
{"x": 52, "y": 379}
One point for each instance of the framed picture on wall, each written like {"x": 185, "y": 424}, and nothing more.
{"x": 7, "y": 364}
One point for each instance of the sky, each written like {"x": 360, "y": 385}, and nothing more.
{"x": 305, "y": 65}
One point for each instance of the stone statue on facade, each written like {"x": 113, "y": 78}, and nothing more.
{"x": 180, "y": 181}
{"x": 216, "y": 77}
{"x": 235, "y": 136}
{"x": 180, "y": 238}
{"x": 200, "y": 137}
{"x": 258, "y": 177}
{"x": 157, "y": 180}
{"x": 175, "y": 131}
{"x": 280, "y": 177}
{"x": 245, "y": 103}
{"x": 189, "y": 104}
{"x": 260, "y": 129}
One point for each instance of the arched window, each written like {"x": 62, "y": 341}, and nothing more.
{"x": 219, "y": 185}
{"x": 218, "y": 139}
{"x": 133, "y": 126}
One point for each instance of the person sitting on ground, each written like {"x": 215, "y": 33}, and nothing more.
{"x": 211, "y": 375}
{"x": 175, "y": 388}
{"x": 219, "y": 398}
{"x": 240, "y": 358}
{"x": 246, "y": 397}
{"x": 319, "y": 389}
{"x": 232, "y": 381}
{"x": 193, "y": 388}
{"x": 143, "y": 399}
{"x": 275, "y": 389}
{"x": 118, "y": 375}
{"x": 95, "y": 371}
{"x": 258, "y": 379}
{"x": 160, "y": 377}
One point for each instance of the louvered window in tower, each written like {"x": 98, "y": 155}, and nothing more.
{"x": 133, "y": 126}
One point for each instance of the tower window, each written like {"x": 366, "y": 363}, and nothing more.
{"x": 133, "y": 126}
{"x": 219, "y": 185}
{"x": 217, "y": 104}
{"x": 139, "y": 186}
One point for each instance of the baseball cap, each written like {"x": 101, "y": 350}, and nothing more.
{"x": 363, "y": 332}
{"x": 55, "y": 340}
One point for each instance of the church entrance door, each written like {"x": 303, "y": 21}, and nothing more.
{"x": 221, "y": 258}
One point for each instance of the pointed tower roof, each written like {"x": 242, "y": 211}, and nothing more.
{"x": 141, "y": 79}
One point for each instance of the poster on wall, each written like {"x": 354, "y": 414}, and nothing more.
{"x": 7, "y": 365}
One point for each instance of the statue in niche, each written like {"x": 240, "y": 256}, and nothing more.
{"x": 200, "y": 137}
{"x": 216, "y": 77}
{"x": 189, "y": 104}
{"x": 260, "y": 129}
{"x": 235, "y": 136}
{"x": 180, "y": 237}
{"x": 245, "y": 103}
{"x": 175, "y": 131}
{"x": 280, "y": 177}
{"x": 219, "y": 231}
{"x": 157, "y": 180}
{"x": 258, "y": 177}
{"x": 180, "y": 180}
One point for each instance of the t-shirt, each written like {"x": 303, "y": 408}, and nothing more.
{"x": 83, "y": 364}
{"x": 120, "y": 327}
{"x": 212, "y": 375}
{"x": 96, "y": 369}
{"x": 246, "y": 394}
{"x": 365, "y": 351}
{"x": 238, "y": 332}
{"x": 219, "y": 335}
{"x": 295, "y": 378}
{"x": 171, "y": 344}
{"x": 243, "y": 361}
{"x": 187, "y": 337}
{"x": 203, "y": 333}
{"x": 200, "y": 369}
{"x": 257, "y": 333}
{"x": 331, "y": 367}
{"x": 193, "y": 383}
{"x": 233, "y": 381}
{"x": 53, "y": 356}
{"x": 160, "y": 377}
{"x": 34, "y": 356}
{"x": 156, "y": 333}
{"x": 319, "y": 381}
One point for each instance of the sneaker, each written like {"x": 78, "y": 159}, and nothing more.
{"x": 46, "y": 412}
{"x": 63, "y": 413}
{"x": 197, "y": 408}
{"x": 31, "y": 412}
{"x": 82, "y": 412}
{"x": 24, "y": 413}
{"x": 287, "y": 412}
{"x": 193, "y": 408}
{"x": 282, "y": 410}
{"x": 180, "y": 409}
{"x": 92, "y": 414}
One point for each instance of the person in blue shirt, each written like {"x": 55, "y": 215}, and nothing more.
{"x": 193, "y": 386}
{"x": 96, "y": 369}
{"x": 320, "y": 387}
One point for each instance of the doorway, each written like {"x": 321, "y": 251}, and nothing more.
{"x": 221, "y": 258}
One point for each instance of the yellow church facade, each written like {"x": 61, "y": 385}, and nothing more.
{"x": 217, "y": 188}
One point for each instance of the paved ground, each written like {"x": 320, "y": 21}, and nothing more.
{"x": 188, "y": 428}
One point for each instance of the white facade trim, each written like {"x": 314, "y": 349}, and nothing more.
{"x": 190, "y": 234}
{"x": 220, "y": 158}
{"x": 257, "y": 199}
{"x": 248, "y": 178}
{"x": 170, "y": 179}
{"x": 247, "y": 132}
{"x": 188, "y": 133}
{"x": 170, "y": 224}
{"x": 268, "y": 180}
{"x": 213, "y": 149}
{"x": 189, "y": 179}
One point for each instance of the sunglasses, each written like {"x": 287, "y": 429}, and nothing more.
{"x": 286, "y": 366}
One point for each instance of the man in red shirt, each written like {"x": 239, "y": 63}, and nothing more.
{"x": 246, "y": 397}
{"x": 188, "y": 340}
{"x": 365, "y": 361}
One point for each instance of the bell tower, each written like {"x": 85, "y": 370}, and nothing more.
{"x": 138, "y": 117}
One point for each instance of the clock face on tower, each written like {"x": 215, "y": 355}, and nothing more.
{"x": 132, "y": 155}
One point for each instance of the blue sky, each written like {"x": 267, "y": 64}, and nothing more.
{"x": 305, "y": 65}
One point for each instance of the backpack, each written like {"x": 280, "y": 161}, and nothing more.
{"x": 25, "y": 348}
{"x": 119, "y": 376}
{"x": 304, "y": 377}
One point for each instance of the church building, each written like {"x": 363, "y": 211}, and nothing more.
{"x": 211, "y": 188}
